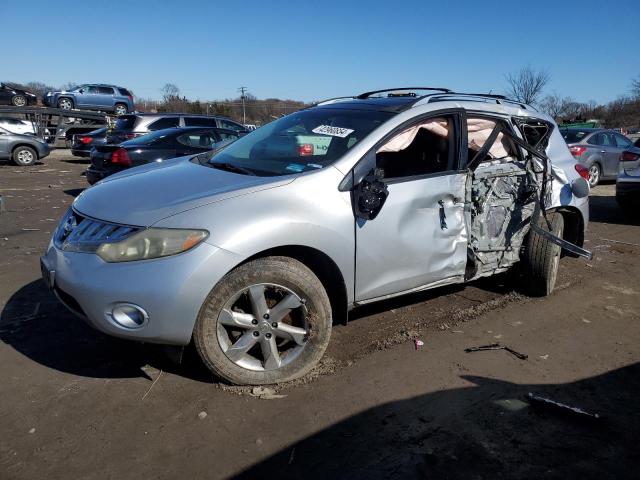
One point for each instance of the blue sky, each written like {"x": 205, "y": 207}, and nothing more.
{"x": 311, "y": 50}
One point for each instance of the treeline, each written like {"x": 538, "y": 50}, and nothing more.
{"x": 623, "y": 112}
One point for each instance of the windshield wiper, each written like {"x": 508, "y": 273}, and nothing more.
{"x": 231, "y": 168}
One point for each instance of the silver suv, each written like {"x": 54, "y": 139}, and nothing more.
{"x": 253, "y": 251}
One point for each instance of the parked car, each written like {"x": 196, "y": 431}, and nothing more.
{"x": 130, "y": 126}
{"x": 155, "y": 147}
{"x": 10, "y": 95}
{"x": 250, "y": 251}
{"x": 81, "y": 144}
{"x": 24, "y": 150}
{"x": 15, "y": 125}
{"x": 106, "y": 98}
{"x": 598, "y": 150}
{"x": 628, "y": 181}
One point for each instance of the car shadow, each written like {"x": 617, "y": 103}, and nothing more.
{"x": 78, "y": 161}
{"x": 488, "y": 429}
{"x": 605, "y": 209}
{"x": 34, "y": 323}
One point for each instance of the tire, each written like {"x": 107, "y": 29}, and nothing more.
{"x": 65, "y": 103}
{"x": 595, "y": 173}
{"x": 237, "y": 353}
{"x": 120, "y": 109}
{"x": 19, "y": 101}
{"x": 542, "y": 258}
{"x": 24, "y": 156}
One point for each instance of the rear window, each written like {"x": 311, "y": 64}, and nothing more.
{"x": 125, "y": 122}
{"x": 200, "y": 122}
{"x": 105, "y": 90}
{"x": 166, "y": 122}
{"x": 124, "y": 92}
{"x": 574, "y": 135}
{"x": 224, "y": 123}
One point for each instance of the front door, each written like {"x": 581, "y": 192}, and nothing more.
{"x": 418, "y": 238}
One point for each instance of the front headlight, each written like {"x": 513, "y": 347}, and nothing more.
{"x": 151, "y": 243}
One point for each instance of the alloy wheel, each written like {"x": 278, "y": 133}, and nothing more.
{"x": 121, "y": 110}
{"x": 594, "y": 175}
{"x": 19, "y": 101}
{"x": 65, "y": 104}
{"x": 263, "y": 327}
{"x": 25, "y": 156}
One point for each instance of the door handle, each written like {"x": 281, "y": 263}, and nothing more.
{"x": 443, "y": 216}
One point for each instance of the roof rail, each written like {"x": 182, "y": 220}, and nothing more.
{"x": 498, "y": 98}
{"x": 364, "y": 95}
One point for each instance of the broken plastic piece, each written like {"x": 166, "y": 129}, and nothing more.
{"x": 561, "y": 406}
{"x": 418, "y": 343}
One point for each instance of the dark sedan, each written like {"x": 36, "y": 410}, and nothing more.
{"x": 82, "y": 144}
{"x": 155, "y": 147}
{"x": 10, "y": 95}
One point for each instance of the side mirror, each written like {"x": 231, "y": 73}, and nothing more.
{"x": 81, "y": 90}
{"x": 580, "y": 187}
{"x": 370, "y": 194}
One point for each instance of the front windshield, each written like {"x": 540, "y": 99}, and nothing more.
{"x": 303, "y": 141}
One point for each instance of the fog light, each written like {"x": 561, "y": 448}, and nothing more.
{"x": 128, "y": 315}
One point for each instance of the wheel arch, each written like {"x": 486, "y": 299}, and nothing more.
{"x": 18, "y": 145}
{"x": 573, "y": 225}
{"x": 323, "y": 266}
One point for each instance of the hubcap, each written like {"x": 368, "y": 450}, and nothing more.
{"x": 65, "y": 104}
{"x": 594, "y": 174}
{"x": 263, "y": 327}
{"x": 19, "y": 101}
{"x": 25, "y": 156}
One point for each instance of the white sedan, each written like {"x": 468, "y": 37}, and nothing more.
{"x": 25, "y": 127}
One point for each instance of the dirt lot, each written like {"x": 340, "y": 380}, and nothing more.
{"x": 77, "y": 404}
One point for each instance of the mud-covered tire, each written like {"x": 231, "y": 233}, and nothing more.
{"x": 542, "y": 258}
{"x": 24, "y": 156}
{"x": 283, "y": 271}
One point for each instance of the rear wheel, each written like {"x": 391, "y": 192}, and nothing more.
{"x": 19, "y": 101}
{"x": 268, "y": 321}
{"x": 595, "y": 172}
{"x": 65, "y": 104}
{"x": 121, "y": 109}
{"x": 542, "y": 257}
{"x": 24, "y": 156}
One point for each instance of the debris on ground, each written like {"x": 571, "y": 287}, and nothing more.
{"x": 547, "y": 402}
{"x": 418, "y": 343}
{"x": 265, "y": 393}
{"x": 497, "y": 346}
{"x": 202, "y": 415}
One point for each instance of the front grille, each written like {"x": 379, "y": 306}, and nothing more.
{"x": 77, "y": 233}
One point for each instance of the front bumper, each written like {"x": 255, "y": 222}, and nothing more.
{"x": 43, "y": 150}
{"x": 170, "y": 290}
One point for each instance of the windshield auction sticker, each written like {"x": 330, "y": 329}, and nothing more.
{"x": 333, "y": 131}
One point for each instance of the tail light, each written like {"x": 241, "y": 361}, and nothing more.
{"x": 582, "y": 171}
{"x": 577, "y": 150}
{"x": 85, "y": 140}
{"x": 629, "y": 157}
{"x": 305, "y": 149}
{"x": 121, "y": 157}
{"x": 130, "y": 135}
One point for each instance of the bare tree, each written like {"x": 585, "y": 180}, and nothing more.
{"x": 170, "y": 92}
{"x": 526, "y": 85}
{"x": 635, "y": 87}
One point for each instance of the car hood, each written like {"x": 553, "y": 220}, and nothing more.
{"x": 144, "y": 195}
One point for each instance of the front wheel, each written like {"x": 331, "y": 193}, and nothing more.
{"x": 65, "y": 104}
{"x": 24, "y": 156}
{"x": 19, "y": 101}
{"x": 120, "y": 109}
{"x": 267, "y": 321}
{"x": 542, "y": 258}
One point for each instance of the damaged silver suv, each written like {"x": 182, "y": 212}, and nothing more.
{"x": 254, "y": 250}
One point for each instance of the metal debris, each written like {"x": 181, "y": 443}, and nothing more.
{"x": 547, "y": 402}
{"x": 497, "y": 346}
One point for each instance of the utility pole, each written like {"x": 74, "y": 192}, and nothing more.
{"x": 242, "y": 96}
